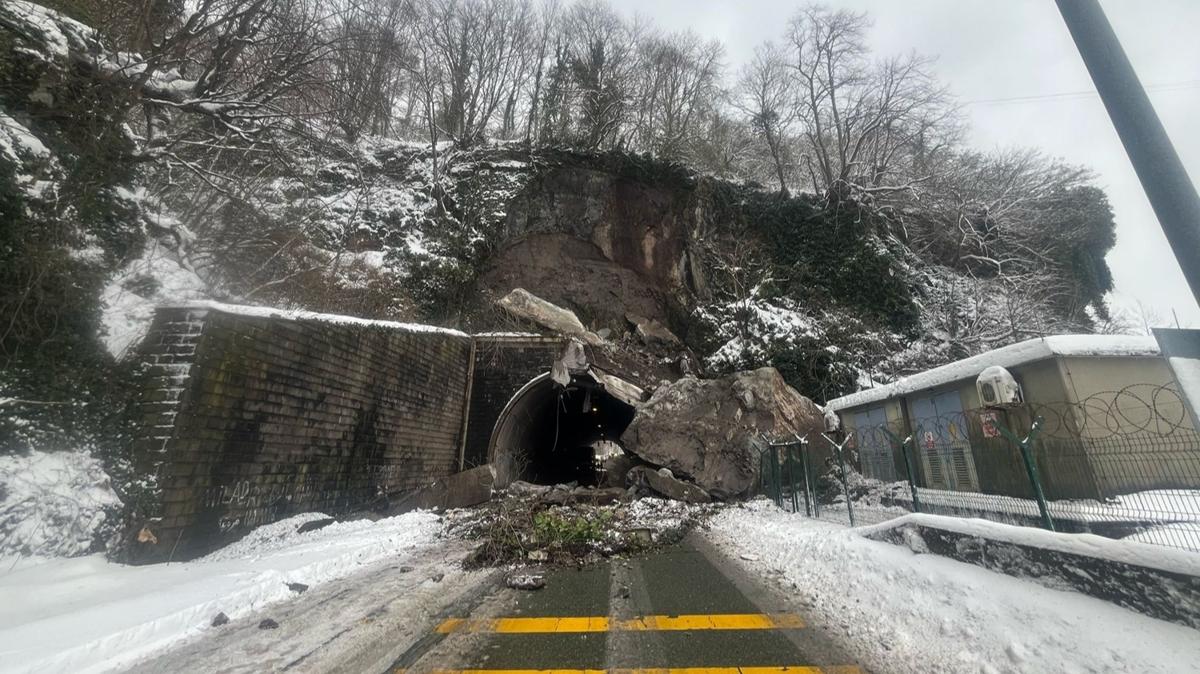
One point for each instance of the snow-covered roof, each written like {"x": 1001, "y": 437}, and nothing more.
{"x": 297, "y": 315}
{"x": 1029, "y": 351}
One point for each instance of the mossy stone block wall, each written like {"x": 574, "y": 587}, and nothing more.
{"x": 253, "y": 418}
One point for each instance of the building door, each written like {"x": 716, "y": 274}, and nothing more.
{"x": 941, "y": 433}
{"x": 874, "y": 446}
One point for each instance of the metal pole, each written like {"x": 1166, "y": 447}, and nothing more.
{"x": 775, "y": 476}
{"x": 1163, "y": 177}
{"x": 842, "y": 469}
{"x": 803, "y": 443}
{"x": 903, "y": 445}
{"x": 808, "y": 488}
{"x": 1031, "y": 467}
{"x": 791, "y": 477}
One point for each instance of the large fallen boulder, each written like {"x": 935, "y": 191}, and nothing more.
{"x": 703, "y": 430}
{"x": 652, "y": 332}
{"x": 526, "y": 306}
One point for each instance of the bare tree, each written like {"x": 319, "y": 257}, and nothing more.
{"x": 858, "y": 115}
{"x": 480, "y": 52}
{"x": 766, "y": 95}
{"x": 600, "y": 56}
{"x": 367, "y": 73}
{"x": 680, "y": 79}
{"x": 547, "y": 30}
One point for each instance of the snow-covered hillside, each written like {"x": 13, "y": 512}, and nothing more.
{"x": 54, "y": 504}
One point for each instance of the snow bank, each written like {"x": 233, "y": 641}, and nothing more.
{"x": 1029, "y": 351}
{"x": 52, "y": 504}
{"x": 298, "y": 315}
{"x": 1126, "y": 551}
{"x": 129, "y": 310}
{"x": 901, "y": 611}
{"x": 17, "y": 142}
{"x": 88, "y": 615}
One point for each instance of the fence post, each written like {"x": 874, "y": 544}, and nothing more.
{"x": 801, "y": 442}
{"x": 842, "y": 469}
{"x": 808, "y": 488}
{"x": 775, "y": 475}
{"x": 791, "y": 477}
{"x": 903, "y": 445}
{"x": 763, "y": 478}
{"x": 1030, "y": 466}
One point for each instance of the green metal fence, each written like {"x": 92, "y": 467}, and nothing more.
{"x": 1126, "y": 467}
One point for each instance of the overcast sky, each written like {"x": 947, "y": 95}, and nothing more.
{"x": 1020, "y": 49}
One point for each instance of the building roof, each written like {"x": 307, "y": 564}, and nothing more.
{"x": 1029, "y": 351}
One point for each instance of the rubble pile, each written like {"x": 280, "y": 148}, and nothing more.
{"x": 569, "y": 525}
{"x": 693, "y": 440}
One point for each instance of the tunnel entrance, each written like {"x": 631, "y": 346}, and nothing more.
{"x": 550, "y": 434}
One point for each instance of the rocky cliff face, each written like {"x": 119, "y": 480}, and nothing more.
{"x": 639, "y": 226}
{"x": 576, "y": 273}
{"x": 738, "y": 274}
{"x": 826, "y": 293}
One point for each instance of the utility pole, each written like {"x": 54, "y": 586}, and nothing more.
{"x": 1158, "y": 167}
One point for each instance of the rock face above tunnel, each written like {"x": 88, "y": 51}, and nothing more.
{"x": 702, "y": 429}
{"x": 575, "y": 274}
{"x": 604, "y": 242}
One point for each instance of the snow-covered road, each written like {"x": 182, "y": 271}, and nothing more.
{"x": 376, "y": 588}
{"x": 85, "y": 614}
{"x": 361, "y": 623}
{"x": 899, "y": 611}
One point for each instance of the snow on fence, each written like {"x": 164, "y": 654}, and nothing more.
{"x": 1126, "y": 465}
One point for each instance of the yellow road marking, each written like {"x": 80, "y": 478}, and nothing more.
{"x": 651, "y": 623}
{"x": 841, "y": 669}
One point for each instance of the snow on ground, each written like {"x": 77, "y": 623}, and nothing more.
{"x": 130, "y": 297}
{"x": 16, "y": 141}
{"x": 899, "y": 611}
{"x": 88, "y": 615}
{"x": 756, "y": 327}
{"x": 1177, "y": 509}
{"x": 52, "y": 503}
{"x": 1171, "y": 517}
{"x": 1123, "y": 551}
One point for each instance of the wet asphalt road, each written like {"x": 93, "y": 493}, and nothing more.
{"x": 681, "y": 608}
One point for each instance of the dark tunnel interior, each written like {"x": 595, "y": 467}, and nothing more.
{"x": 555, "y": 435}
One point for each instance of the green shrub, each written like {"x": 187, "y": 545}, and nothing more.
{"x": 553, "y": 530}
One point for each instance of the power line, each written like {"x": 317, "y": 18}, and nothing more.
{"x": 1079, "y": 95}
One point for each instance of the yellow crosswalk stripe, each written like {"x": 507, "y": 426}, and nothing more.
{"x": 839, "y": 669}
{"x": 651, "y": 623}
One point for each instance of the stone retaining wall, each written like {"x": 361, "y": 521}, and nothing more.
{"x": 251, "y": 417}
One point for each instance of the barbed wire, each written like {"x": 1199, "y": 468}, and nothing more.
{"x": 1135, "y": 410}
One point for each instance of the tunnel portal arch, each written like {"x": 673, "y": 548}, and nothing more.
{"x": 549, "y": 434}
